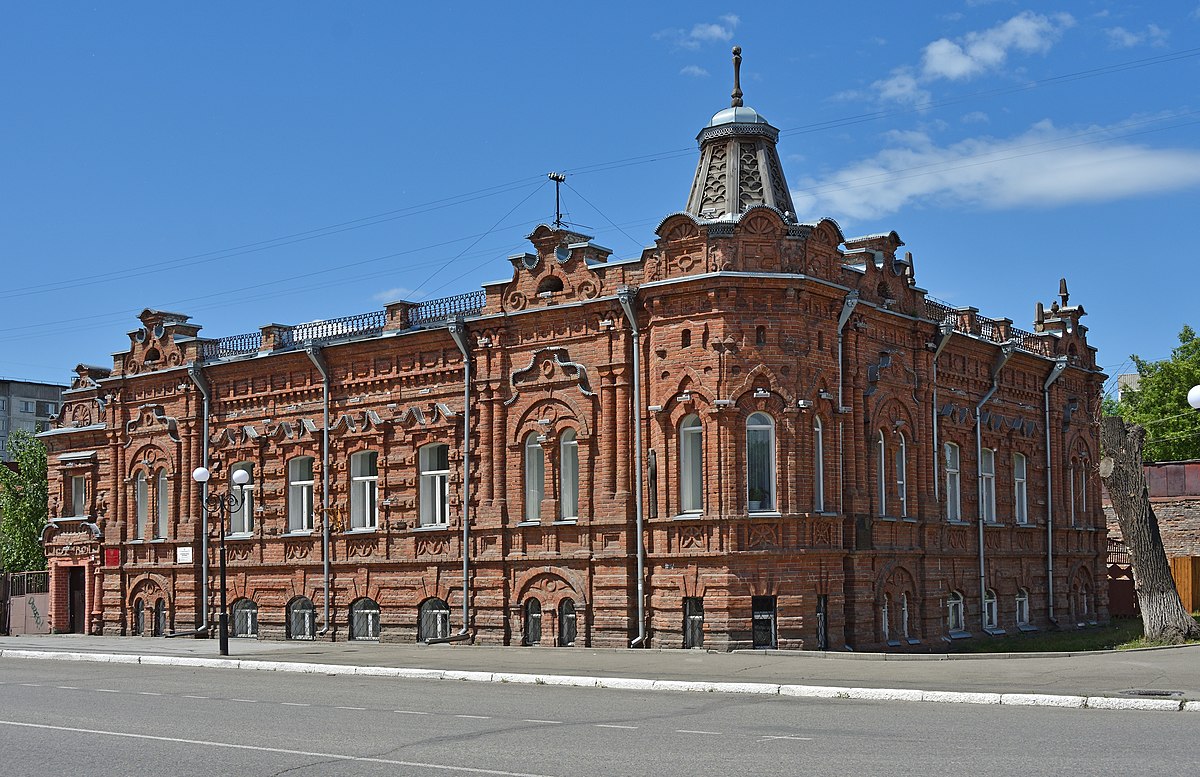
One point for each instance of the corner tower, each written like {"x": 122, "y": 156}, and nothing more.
{"x": 739, "y": 166}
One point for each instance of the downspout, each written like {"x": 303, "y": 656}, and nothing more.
{"x": 458, "y": 331}
{"x": 625, "y": 296}
{"x": 847, "y": 308}
{"x": 945, "y": 330}
{"x": 314, "y": 354}
{"x": 202, "y": 385}
{"x": 1006, "y": 350}
{"x": 1060, "y": 364}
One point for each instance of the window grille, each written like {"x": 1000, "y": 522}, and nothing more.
{"x": 433, "y": 620}
{"x": 763, "y": 621}
{"x": 693, "y": 622}
{"x": 364, "y": 620}
{"x": 245, "y": 618}
{"x": 300, "y": 619}
{"x": 533, "y": 622}
{"x": 566, "y": 623}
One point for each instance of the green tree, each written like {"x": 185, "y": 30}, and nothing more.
{"x": 1159, "y": 404}
{"x": 23, "y": 496}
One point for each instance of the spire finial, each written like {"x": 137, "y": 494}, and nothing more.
{"x": 1062, "y": 291}
{"x": 737, "y": 78}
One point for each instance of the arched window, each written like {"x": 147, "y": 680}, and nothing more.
{"x": 364, "y": 490}
{"x": 141, "y": 492}
{"x": 760, "y": 335}
{"x": 241, "y": 521}
{"x": 955, "y": 620}
{"x": 685, "y": 339}
{"x": 301, "y": 623}
{"x": 1022, "y": 607}
{"x": 691, "y": 464}
{"x": 953, "y": 492}
{"x": 991, "y": 618}
{"x": 902, "y": 476}
{"x": 137, "y": 623}
{"x": 434, "y": 462}
{"x": 566, "y": 623}
{"x": 162, "y": 506}
{"x": 760, "y": 462}
{"x": 904, "y": 627}
{"x": 987, "y": 484}
{"x": 160, "y": 617}
{"x": 433, "y": 620}
{"x": 1020, "y": 490}
{"x": 533, "y": 622}
{"x": 881, "y": 473}
{"x": 300, "y": 494}
{"x": 885, "y": 617}
{"x": 551, "y": 284}
{"x": 535, "y": 477}
{"x": 568, "y": 475}
{"x": 364, "y": 619}
{"x": 818, "y": 466}
{"x": 1085, "y": 603}
{"x": 245, "y": 618}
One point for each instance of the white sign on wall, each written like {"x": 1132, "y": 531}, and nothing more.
{"x": 183, "y": 554}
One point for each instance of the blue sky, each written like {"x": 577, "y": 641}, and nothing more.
{"x": 284, "y": 162}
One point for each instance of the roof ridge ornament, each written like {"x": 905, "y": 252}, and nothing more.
{"x": 736, "y": 102}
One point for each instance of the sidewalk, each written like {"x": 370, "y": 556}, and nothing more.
{"x": 1163, "y": 678}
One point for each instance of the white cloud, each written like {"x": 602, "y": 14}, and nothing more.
{"x": 902, "y": 87}
{"x": 700, "y": 33}
{"x": 975, "y": 117}
{"x": 391, "y": 295}
{"x": 1122, "y": 38}
{"x": 1045, "y": 167}
{"x": 978, "y": 52}
{"x": 693, "y": 70}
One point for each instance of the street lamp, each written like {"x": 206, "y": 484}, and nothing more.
{"x": 1194, "y": 397}
{"x": 221, "y": 506}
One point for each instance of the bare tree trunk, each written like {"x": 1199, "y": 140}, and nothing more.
{"x": 1163, "y": 616}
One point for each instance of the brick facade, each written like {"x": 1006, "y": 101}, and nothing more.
{"x": 799, "y": 355}
{"x": 1175, "y": 496}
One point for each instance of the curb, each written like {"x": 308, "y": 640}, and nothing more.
{"x": 629, "y": 683}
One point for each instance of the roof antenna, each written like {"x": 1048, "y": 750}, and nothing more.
{"x": 558, "y": 179}
{"x": 737, "y": 78}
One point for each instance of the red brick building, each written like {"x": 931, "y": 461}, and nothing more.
{"x": 758, "y": 433}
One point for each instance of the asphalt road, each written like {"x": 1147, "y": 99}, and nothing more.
{"x": 60, "y": 718}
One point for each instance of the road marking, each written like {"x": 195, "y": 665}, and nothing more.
{"x": 188, "y": 696}
{"x": 794, "y": 739}
{"x": 247, "y": 701}
{"x": 280, "y": 750}
{"x": 107, "y": 690}
{"x": 32, "y": 685}
{"x": 695, "y": 731}
{"x": 359, "y": 709}
{"x": 294, "y": 704}
{"x": 614, "y": 725}
{"x": 535, "y": 720}
{"x": 410, "y": 712}
{"x": 68, "y": 687}
{"x": 148, "y": 693}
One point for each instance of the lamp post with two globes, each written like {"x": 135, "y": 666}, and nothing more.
{"x": 1194, "y": 397}
{"x": 222, "y": 506}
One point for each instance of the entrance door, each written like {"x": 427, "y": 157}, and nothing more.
{"x": 763, "y": 625}
{"x": 693, "y": 622}
{"x": 76, "y": 600}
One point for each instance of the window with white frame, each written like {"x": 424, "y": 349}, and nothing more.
{"x": 818, "y": 466}
{"x": 241, "y": 520}
{"x": 953, "y": 490}
{"x": 568, "y": 475}
{"x": 28, "y": 406}
{"x": 902, "y": 476}
{"x": 955, "y": 620}
{"x": 991, "y": 618}
{"x": 300, "y": 494}
{"x": 141, "y": 496}
{"x": 1071, "y": 490}
{"x": 1022, "y": 607}
{"x": 760, "y": 462}
{"x": 433, "y": 620}
{"x": 1020, "y": 490}
{"x": 364, "y": 620}
{"x": 434, "y": 463}
{"x": 79, "y": 495}
{"x": 885, "y": 617}
{"x": 987, "y": 484}
{"x": 1081, "y": 476}
{"x": 161, "y": 495}
{"x": 904, "y": 628}
{"x": 244, "y": 618}
{"x": 535, "y": 477}
{"x": 881, "y": 473}
{"x": 364, "y": 490}
{"x": 301, "y": 619}
{"x": 691, "y": 465}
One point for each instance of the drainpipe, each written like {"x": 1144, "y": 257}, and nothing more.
{"x": 197, "y": 376}
{"x": 944, "y": 330}
{"x": 1006, "y": 350}
{"x": 625, "y": 296}
{"x": 847, "y": 308}
{"x": 1060, "y": 364}
{"x": 314, "y": 354}
{"x": 458, "y": 331}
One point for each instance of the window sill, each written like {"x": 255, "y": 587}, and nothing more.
{"x": 765, "y": 514}
{"x": 157, "y": 539}
{"x": 240, "y": 535}
{"x": 299, "y": 533}
{"x": 530, "y": 523}
{"x": 958, "y": 523}
{"x": 992, "y": 523}
{"x": 893, "y": 643}
{"x": 913, "y": 641}
{"x": 431, "y": 527}
{"x": 565, "y": 522}
{"x": 361, "y": 530}
{"x": 887, "y": 518}
{"x": 995, "y": 631}
{"x": 690, "y": 515}
{"x": 1026, "y": 628}
{"x": 1026, "y": 525}
{"x": 960, "y": 635}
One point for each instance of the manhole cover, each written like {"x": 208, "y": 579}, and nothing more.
{"x": 1155, "y": 692}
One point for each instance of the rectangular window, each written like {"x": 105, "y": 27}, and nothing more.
{"x": 693, "y": 622}
{"x": 434, "y": 462}
{"x": 952, "y": 483}
{"x": 902, "y": 477}
{"x": 569, "y": 475}
{"x": 818, "y": 467}
{"x": 1020, "y": 493}
{"x": 28, "y": 406}
{"x": 300, "y": 494}
{"x": 691, "y": 465}
{"x": 142, "y": 503}
{"x": 535, "y": 477}
{"x": 241, "y": 520}
{"x": 987, "y": 484}
{"x": 161, "y": 495}
{"x": 1071, "y": 490}
{"x": 364, "y": 483}
{"x": 79, "y": 495}
{"x": 763, "y": 621}
{"x": 881, "y": 473}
